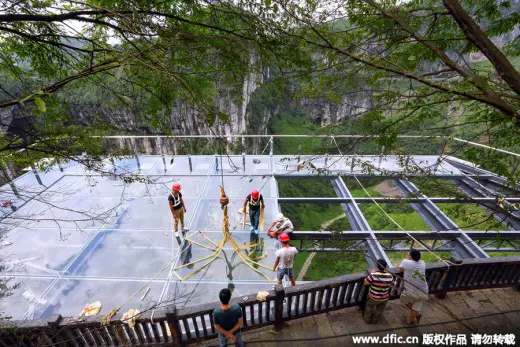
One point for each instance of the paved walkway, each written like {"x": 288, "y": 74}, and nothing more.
{"x": 464, "y": 305}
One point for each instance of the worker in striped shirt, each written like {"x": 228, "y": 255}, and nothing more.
{"x": 380, "y": 282}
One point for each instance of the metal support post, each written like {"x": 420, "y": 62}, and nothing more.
{"x": 189, "y": 162}
{"x": 353, "y": 159}
{"x": 37, "y": 175}
{"x": 358, "y": 222}
{"x": 381, "y": 157}
{"x": 271, "y": 146}
{"x": 134, "y": 148}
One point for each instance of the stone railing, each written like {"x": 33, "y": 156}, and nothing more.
{"x": 172, "y": 326}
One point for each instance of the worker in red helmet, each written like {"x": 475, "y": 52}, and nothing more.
{"x": 285, "y": 260}
{"x": 255, "y": 200}
{"x": 177, "y": 207}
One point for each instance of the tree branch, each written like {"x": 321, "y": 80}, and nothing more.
{"x": 476, "y": 35}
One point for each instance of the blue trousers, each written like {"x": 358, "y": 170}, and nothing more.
{"x": 254, "y": 217}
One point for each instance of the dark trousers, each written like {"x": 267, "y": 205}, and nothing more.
{"x": 254, "y": 217}
{"x": 374, "y": 309}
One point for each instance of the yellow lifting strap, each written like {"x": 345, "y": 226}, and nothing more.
{"x": 226, "y": 237}
{"x": 261, "y": 226}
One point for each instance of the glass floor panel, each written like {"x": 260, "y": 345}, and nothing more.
{"x": 76, "y": 236}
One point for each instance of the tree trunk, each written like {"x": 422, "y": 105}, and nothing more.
{"x": 479, "y": 38}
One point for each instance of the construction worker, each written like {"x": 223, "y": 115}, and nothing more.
{"x": 255, "y": 200}
{"x": 177, "y": 207}
{"x": 282, "y": 224}
{"x": 285, "y": 260}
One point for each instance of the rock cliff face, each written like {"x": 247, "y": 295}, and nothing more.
{"x": 183, "y": 118}
{"x": 326, "y": 113}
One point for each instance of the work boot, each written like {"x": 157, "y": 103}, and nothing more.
{"x": 257, "y": 231}
{"x": 252, "y": 228}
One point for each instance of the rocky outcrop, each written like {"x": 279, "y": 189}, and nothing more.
{"x": 326, "y": 113}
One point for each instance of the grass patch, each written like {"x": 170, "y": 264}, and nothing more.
{"x": 299, "y": 260}
{"x": 312, "y": 217}
{"x": 503, "y": 254}
{"x": 402, "y": 213}
{"x": 376, "y": 187}
{"x": 471, "y": 217}
{"x": 331, "y": 264}
{"x": 436, "y": 187}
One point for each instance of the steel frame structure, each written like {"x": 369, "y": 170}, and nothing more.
{"x": 479, "y": 185}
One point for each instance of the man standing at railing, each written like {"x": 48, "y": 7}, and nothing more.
{"x": 285, "y": 260}
{"x": 415, "y": 292}
{"x": 228, "y": 320}
{"x": 380, "y": 282}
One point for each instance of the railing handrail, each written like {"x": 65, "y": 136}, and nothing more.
{"x": 311, "y": 136}
{"x": 194, "y": 323}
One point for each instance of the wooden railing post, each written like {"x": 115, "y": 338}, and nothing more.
{"x": 173, "y": 323}
{"x": 278, "y": 305}
{"x": 53, "y": 322}
{"x": 447, "y": 279}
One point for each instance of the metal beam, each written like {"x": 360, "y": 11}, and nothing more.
{"x": 405, "y": 235}
{"x": 303, "y": 200}
{"x": 439, "y": 221}
{"x": 358, "y": 222}
{"x": 471, "y": 170}
{"x": 398, "y": 249}
{"x": 473, "y": 188}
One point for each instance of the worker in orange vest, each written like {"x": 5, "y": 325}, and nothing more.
{"x": 255, "y": 200}
{"x": 177, "y": 207}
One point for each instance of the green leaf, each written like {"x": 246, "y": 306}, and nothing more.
{"x": 40, "y": 104}
{"x": 224, "y": 117}
{"x": 211, "y": 116}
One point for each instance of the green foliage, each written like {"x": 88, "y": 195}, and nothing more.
{"x": 330, "y": 264}
{"x": 471, "y": 217}
{"x": 305, "y": 187}
{"x": 402, "y": 213}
